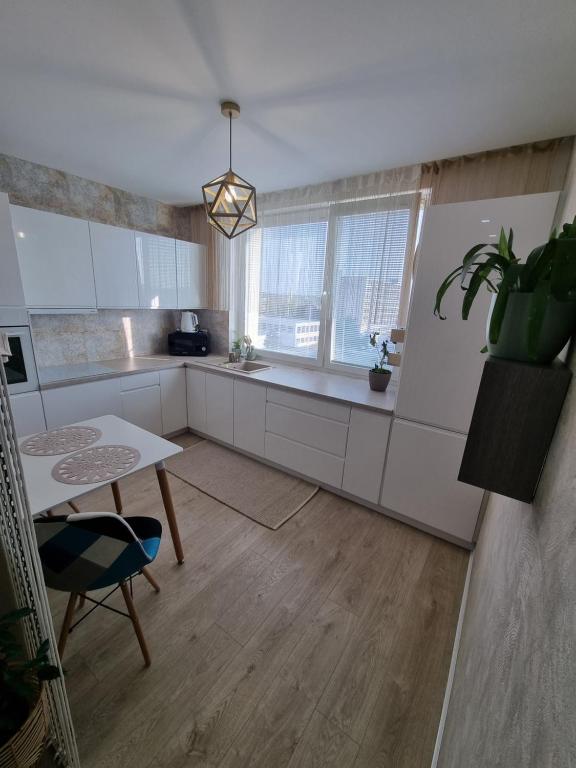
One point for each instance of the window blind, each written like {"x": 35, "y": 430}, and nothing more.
{"x": 369, "y": 257}
{"x": 284, "y": 281}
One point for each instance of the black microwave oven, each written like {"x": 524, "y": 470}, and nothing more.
{"x": 196, "y": 344}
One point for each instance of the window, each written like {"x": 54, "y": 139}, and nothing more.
{"x": 318, "y": 284}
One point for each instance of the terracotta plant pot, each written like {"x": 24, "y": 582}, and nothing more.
{"x": 24, "y": 749}
{"x": 379, "y": 380}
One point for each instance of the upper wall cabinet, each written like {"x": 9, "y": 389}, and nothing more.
{"x": 115, "y": 269}
{"x": 442, "y": 360}
{"x": 11, "y": 293}
{"x": 55, "y": 259}
{"x": 156, "y": 271}
{"x": 191, "y": 275}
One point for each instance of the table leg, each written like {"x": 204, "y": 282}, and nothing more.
{"x": 117, "y": 497}
{"x": 75, "y": 508}
{"x": 169, "y": 507}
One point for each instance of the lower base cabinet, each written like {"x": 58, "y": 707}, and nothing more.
{"x": 365, "y": 454}
{"x": 220, "y": 407}
{"x": 28, "y": 413}
{"x": 78, "y": 402}
{"x": 421, "y": 479}
{"x": 318, "y": 465}
{"x": 196, "y": 399}
{"x": 173, "y": 395}
{"x": 249, "y": 417}
{"x": 143, "y": 407}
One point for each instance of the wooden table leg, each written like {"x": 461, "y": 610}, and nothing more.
{"x": 117, "y": 497}
{"x": 169, "y": 507}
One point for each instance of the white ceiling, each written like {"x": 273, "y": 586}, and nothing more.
{"x": 126, "y": 92}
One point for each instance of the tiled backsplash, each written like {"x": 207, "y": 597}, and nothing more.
{"x": 113, "y": 333}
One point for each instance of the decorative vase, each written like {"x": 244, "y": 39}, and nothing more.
{"x": 379, "y": 380}
{"x": 558, "y": 326}
{"x": 25, "y": 747}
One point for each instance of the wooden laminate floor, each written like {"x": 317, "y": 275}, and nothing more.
{"x": 325, "y": 643}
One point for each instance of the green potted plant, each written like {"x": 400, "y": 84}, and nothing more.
{"x": 379, "y": 376}
{"x": 533, "y": 313}
{"x": 23, "y": 709}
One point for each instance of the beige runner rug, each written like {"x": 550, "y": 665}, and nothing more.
{"x": 266, "y": 495}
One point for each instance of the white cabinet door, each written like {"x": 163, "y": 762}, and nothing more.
{"x": 115, "y": 270}
{"x": 421, "y": 479}
{"x": 156, "y": 271}
{"x": 249, "y": 416}
{"x": 196, "y": 399}
{"x": 365, "y": 453}
{"x": 220, "y": 407}
{"x": 28, "y": 413}
{"x": 442, "y": 362}
{"x": 55, "y": 259}
{"x": 319, "y": 465}
{"x": 143, "y": 407}
{"x": 191, "y": 275}
{"x": 173, "y": 394}
{"x": 11, "y": 293}
{"x": 77, "y": 402}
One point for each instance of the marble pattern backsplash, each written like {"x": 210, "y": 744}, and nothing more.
{"x": 113, "y": 333}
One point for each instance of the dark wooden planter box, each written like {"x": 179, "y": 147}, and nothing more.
{"x": 515, "y": 415}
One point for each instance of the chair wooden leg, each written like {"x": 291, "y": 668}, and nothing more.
{"x": 135, "y": 622}
{"x": 82, "y": 601}
{"x": 75, "y": 507}
{"x": 117, "y": 497}
{"x": 148, "y": 576}
{"x": 66, "y": 623}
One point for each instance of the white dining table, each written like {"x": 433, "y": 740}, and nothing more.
{"x": 45, "y": 493}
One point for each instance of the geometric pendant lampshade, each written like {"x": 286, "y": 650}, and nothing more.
{"x": 229, "y": 200}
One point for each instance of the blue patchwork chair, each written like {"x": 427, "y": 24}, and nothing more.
{"x": 94, "y": 550}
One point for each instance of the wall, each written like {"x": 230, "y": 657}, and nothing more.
{"x": 513, "y": 703}
{"x": 36, "y": 186}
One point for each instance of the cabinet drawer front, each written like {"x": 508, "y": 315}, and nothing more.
{"x": 314, "y": 431}
{"x": 139, "y": 380}
{"x": 324, "y": 467}
{"x": 314, "y": 405}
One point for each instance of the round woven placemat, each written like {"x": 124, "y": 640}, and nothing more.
{"x": 96, "y": 465}
{"x": 64, "y": 440}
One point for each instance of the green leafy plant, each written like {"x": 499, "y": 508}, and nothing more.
{"x": 19, "y": 676}
{"x": 382, "y": 350}
{"x": 549, "y": 271}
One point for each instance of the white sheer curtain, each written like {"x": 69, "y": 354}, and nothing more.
{"x": 327, "y": 265}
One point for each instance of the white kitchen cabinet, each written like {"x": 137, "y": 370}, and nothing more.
{"x": 220, "y": 407}
{"x": 316, "y": 431}
{"x": 318, "y": 465}
{"x": 442, "y": 362}
{"x": 11, "y": 292}
{"x": 77, "y": 402}
{"x": 191, "y": 275}
{"x": 156, "y": 271}
{"x": 196, "y": 399}
{"x": 28, "y": 413}
{"x": 366, "y": 453}
{"x": 173, "y": 394}
{"x": 143, "y": 407}
{"x": 249, "y": 416}
{"x": 55, "y": 259}
{"x": 115, "y": 268}
{"x": 421, "y": 480}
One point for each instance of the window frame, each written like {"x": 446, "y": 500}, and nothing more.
{"x": 330, "y": 212}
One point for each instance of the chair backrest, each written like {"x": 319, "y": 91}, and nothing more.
{"x": 86, "y": 551}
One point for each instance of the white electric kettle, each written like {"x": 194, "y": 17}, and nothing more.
{"x": 188, "y": 322}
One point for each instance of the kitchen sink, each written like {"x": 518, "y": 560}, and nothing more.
{"x": 246, "y": 366}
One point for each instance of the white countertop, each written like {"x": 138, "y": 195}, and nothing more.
{"x": 345, "y": 389}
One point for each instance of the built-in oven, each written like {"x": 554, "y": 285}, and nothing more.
{"x": 20, "y": 367}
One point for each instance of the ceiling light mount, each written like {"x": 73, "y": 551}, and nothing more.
{"x": 229, "y": 200}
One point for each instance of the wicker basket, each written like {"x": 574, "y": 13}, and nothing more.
{"x": 26, "y": 746}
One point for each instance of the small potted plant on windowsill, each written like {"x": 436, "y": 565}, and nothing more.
{"x": 23, "y": 707}
{"x": 379, "y": 376}
{"x": 533, "y": 313}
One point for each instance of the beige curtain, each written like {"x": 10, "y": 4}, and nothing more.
{"x": 521, "y": 170}
{"x": 218, "y": 258}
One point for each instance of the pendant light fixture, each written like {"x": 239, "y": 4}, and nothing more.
{"x": 230, "y": 201}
